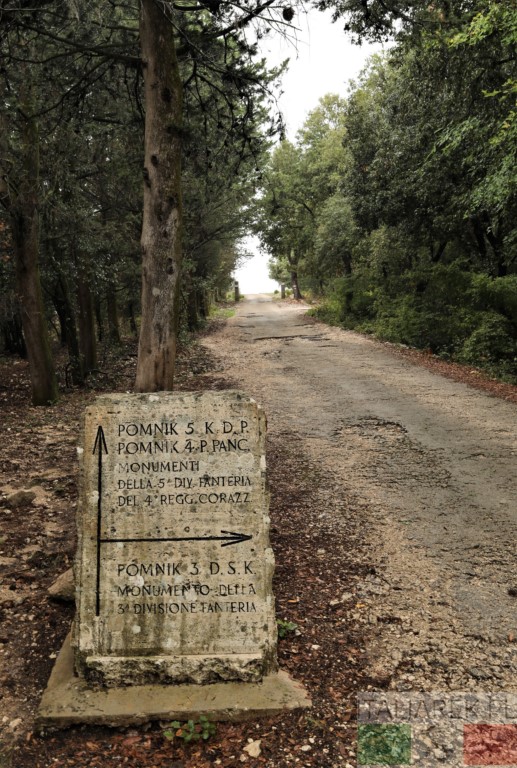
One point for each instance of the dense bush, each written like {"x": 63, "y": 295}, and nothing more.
{"x": 446, "y": 309}
{"x": 493, "y": 346}
{"x": 403, "y": 196}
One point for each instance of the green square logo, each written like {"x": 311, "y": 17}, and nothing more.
{"x": 384, "y": 744}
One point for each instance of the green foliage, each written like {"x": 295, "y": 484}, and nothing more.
{"x": 443, "y": 308}
{"x": 192, "y": 730}
{"x": 499, "y": 294}
{"x": 285, "y": 627}
{"x": 492, "y": 345}
{"x": 278, "y": 269}
{"x": 222, "y": 313}
{"x": 304, "y": 221}
{"x": 413, "y": 234}
{"x": 83, "y": 63}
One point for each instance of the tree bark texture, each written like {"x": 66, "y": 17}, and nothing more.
{"x": 161, "y": 227}
{"x": 67, "y": 321}
{"x": 293, "y": 268}
{"x": 193, "y": 318}
{"x": 12, "y": 332}
{"x": 112, "y": 314}
{"x": 87, "y": 338}
{"x": 297, "y": 294}
{"x": 25, "y": 224}
{"x": 130, "y": 309}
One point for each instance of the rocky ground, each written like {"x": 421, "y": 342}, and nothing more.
{"x": 381, "y": 597}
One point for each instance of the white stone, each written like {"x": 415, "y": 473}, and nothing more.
{"x": 253, "y": 748}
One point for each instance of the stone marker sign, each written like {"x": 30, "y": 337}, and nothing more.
{"x": 174, "y": 565}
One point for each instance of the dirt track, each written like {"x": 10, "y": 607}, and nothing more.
{"x": 392, "y": 495}
{"x": 430, "y": 465}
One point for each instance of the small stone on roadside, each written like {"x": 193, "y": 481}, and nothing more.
{"x": 253, "y": 748}
{"x": 63, "y": 588}
{"x": 479, "y": 674}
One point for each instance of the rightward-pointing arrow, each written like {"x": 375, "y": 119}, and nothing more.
{"x": 227, "y": 537}
{"x": 101, "y": 447}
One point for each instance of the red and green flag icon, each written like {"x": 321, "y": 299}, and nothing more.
{"x": 385, "y": 744}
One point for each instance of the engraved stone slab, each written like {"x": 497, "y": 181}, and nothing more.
{"x": 174, "y": 565}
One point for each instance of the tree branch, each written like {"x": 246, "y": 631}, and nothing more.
{"x": 244, "y": 20}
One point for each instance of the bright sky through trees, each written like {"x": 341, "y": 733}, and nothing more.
{"x": 322, "y": 60}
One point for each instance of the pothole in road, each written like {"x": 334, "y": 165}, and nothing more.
{"x": 290, "y": 337}
{"x": 372, "y": 427}
{"x": 389, "y": 456}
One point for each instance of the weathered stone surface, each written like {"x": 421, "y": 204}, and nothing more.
{"x": 174, "y": 564}
{"x": 69, "y": 699}
{"x": 63, "y": 588}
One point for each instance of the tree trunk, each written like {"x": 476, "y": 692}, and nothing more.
{"x": 97, "y": 308}
{"x": 24, "y": 215}
{"x": 437, "y": 255}
{"x": 112, "y": 312}
{"x": 479, "y": 235}
{"x": 87, "y": 338}
{"x": 294, "y": 283}
{"x": 67, "y": 320}
{"x": 293, "y": 269}
{"x": 347, "y": 263}
{"x": 193, "y": 319}
{"x": 61, "y": 309}
{"x": 496, "y": 244}
{"x": 132, "y": 319}
{"x": 161, "y": 227}
{"x": 12, "y": 331}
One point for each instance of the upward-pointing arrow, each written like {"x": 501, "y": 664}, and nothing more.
{"x": 100, "y": 442}
{"x": 101, "y": 447}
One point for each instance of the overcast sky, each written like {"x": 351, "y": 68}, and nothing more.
{"x": 322, "y": 62}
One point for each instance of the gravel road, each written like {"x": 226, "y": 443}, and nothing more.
{"x": 431, "y": 465}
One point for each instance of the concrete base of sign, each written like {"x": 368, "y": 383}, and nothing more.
{"x": 115, "y": 671}
{"x": 70, "y": 700}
